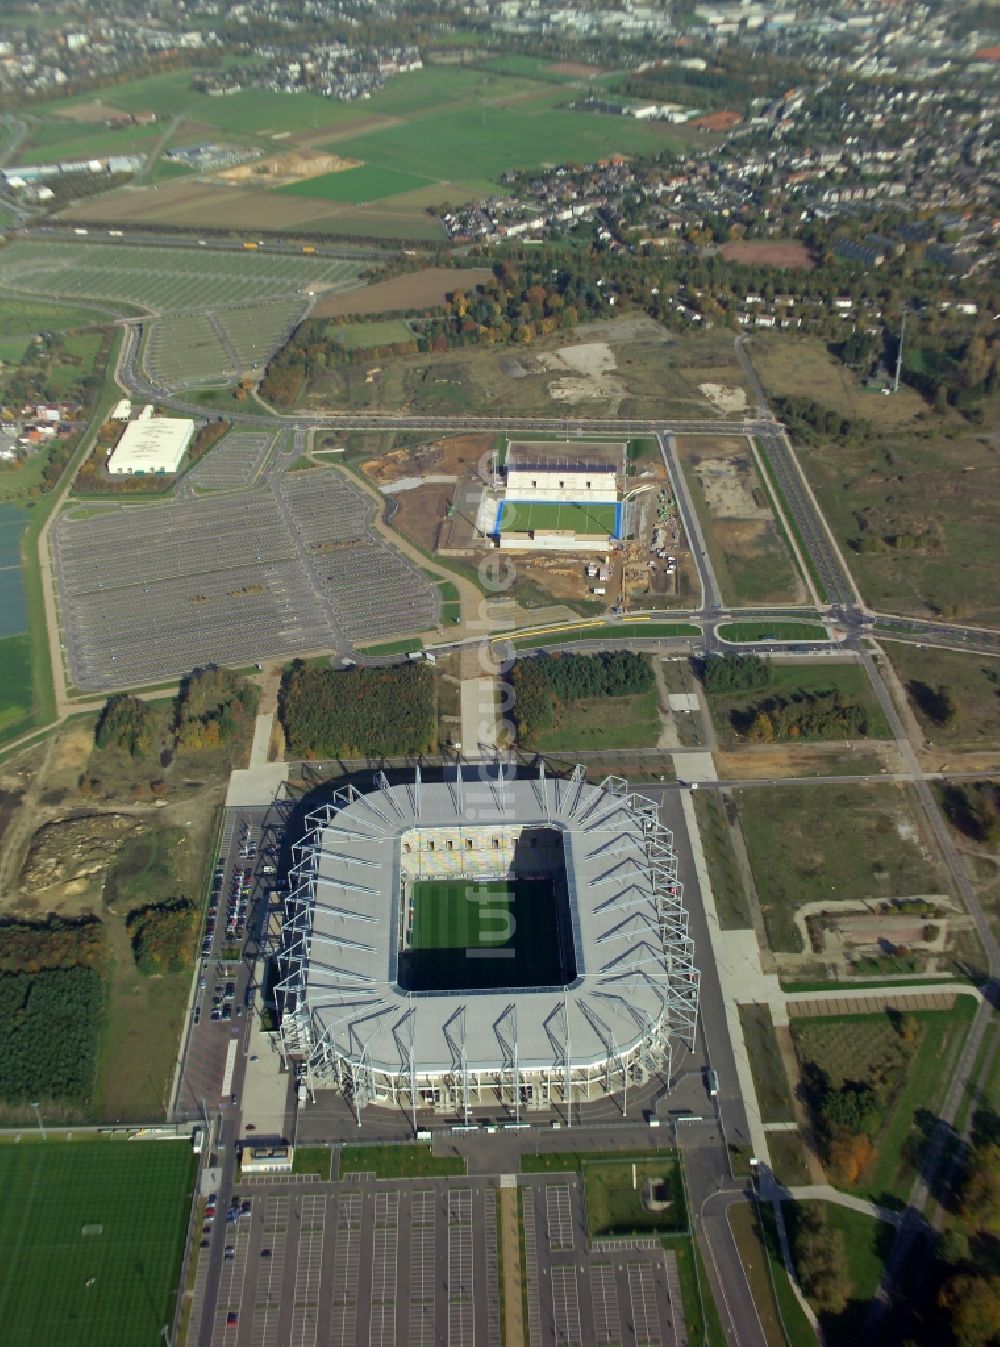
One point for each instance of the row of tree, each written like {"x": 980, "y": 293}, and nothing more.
{"x": 330, "y": 713}
{"x": 726, "y": 674}
{"x": 33, "y": 946}
{"x": 543, "y": 684}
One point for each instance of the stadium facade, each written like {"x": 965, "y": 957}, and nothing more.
{"x": 625, "y": 988}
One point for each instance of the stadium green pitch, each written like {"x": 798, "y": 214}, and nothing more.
{"x": 518, "y": 516}
{"x": 473, "y": 935}
{"x": 91, "y": 1240}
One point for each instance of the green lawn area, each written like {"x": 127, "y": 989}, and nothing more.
{"x": 451, "y": 603}
{"x": 522, "y": 517}
{"x": 866, "y": 1244}
{"x": 753, "y": 1254}
{"x": 361, "y": 336}
{"x": 25, "y": 317}
{"x": 398, "y": 1162}
{"x": 618, "y": 631}
{"x": 357, "y": 185}
{"x": 313, "y": 1160}
{"x": 603, "y": 722}
{"x": 733, "y": 712}
{"x": 91, "y": 1240}
{"x": 973, "y": 682}
{"x": 769, "y": 1076}
{"x": 788, "y": 1161}
{"x": 517, "y": 920}
{"x": 406, "y": 646}
{"x": 613, "y": 1194}
{"x": 728, "y": 890}
{"x": 836, "y": 842}
{"x": 799, "y": 1330}
{"x": 15, "y": 686}
{"x": 773, "y": 629}
{"x": 12, "y": 349}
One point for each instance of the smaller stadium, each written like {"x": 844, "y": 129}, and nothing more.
{"x": 560, "y": 496}
{"x": 490, "y": 939}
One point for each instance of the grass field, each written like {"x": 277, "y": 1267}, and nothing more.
{"x": 973, "y": 682}
{"x": 769, "y": 1077}
{"x": 603, "y": 723}
{"x": 613, "y": 1193}
{"x": 730, "y": 896}
{"x": 866, "y": 1244}
{"x": 732, "y": 714}
{"x": 623, "y": 630}
{"x": 838, "y": 842}
{"x": 773, "y": 630}
{"x": 361, "y": 336}
{"x": 24, "y": 317}
{"x": 458, "y": 925}
{"x": 91, "y": 1240}
{"x": 543, "y": 516}
{"x": 162, "y": 280}
{"x": 357, "y": 185}
{"x": 398, "y": 1162}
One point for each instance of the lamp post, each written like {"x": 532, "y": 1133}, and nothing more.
{"x": 38, "y": 1115}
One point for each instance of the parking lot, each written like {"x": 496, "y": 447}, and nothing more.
{"x": 234, "y": 463}
{"x": 288, "y": 567}
{"x": 414, "y": 1263}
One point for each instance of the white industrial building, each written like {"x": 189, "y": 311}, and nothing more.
{"x": 151, "y": 444}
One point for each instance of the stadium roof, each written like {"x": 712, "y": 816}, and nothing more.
{"x": 557, "y": 463}
{"x": 618, "y": 860}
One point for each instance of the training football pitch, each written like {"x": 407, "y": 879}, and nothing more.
{"x": 478, "y": 934}
{"x": 91, "y": 1240}
{"x": 517, "y": 516}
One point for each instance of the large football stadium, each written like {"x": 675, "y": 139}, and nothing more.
{"x": 489, "y": 940}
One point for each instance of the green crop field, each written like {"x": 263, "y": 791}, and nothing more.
{"x": 15, "y": 681}
{"x": 530, "y": 517}
{"x": 515, "y": 921}
{"x": 164, "y": 280}
{"x": 26, "y": 318}
{"x": 91, "y": 1240}
{"x": 357, "y": 185}
{"x": 484, "y": 141}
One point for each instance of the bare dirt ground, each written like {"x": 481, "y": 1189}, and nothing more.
{"x": 725, "y": 398}
{"x": 281, "y": 169}
{"x": 728, "y": 485}
{"x": 801, "y": 760}
{"x": 769, "y": 252}
{"x": 425, "y": 289}
{"x": 590, "y": 373}
{"x": 95, "y": 111}
{"x": 458, "y": 455}
{"x": 419, "y": 512}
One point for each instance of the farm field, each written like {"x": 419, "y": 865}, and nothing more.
{"x": 55, "y": 142}
{"x": 13, "y": 521}
{"x": 626, "y": 366}
{"x": 843, "y": 843}
{"x": 973, "y": 681}
{"x": 413, "y": 290}
{"x": 162, "y": 280}
{"x": 91, "y": 1240}
{"x": 450, "y": 917}
{"x": 430, "y": 136}
{"x": 733, "y": 713}
{"x": 357, "y": 185}
{"x": 751, "y": 558}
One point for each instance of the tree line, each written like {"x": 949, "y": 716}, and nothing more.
{"x": 803, "y": 715}
{"x": 329, "y": 713}
{"x": 542, "y": 684}
{"x": 213, "y": 707}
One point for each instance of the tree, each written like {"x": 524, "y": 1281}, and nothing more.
{"x": 981, "y": 1189}
{"x": 128, "y": 723}
{"x": 820, "y": 1260}
{"x": 972, "y": 1302}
